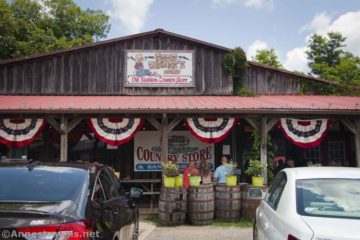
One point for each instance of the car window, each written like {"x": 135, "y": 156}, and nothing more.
{"x": 99, "y": 194}
{"x": 110, "y": 189}
{"x": 115, "y": 180}
{"x": 330, "y": 198}
{"x": 274, "y": 194}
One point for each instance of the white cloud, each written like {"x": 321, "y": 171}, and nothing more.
{"x": 347, "y": 24}
{"x": 296, "y": 60}
{"x": 131, "y": 13}
{"x": 254, "y": 47}
{"x": 247, "y": 3}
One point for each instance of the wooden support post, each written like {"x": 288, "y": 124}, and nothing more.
{"x": 64, "y": 139}
{"x": 164, "y": 139}
{"x": 263, "y": 146}
{"x": 354, "y": 127}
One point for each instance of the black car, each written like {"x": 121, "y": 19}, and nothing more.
{"x": 65, "y": 201}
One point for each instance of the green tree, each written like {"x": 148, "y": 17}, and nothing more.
{"x": 328, "y": 59}
{"x": 268, "y": 57}
{"x": 29, "y": 27}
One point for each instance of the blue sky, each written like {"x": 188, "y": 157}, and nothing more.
{"x": 283, "y": 25}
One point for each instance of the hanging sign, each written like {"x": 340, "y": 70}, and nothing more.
{"x": 115, "y": 131}
{"x": 182, "y": 147}
{"x": 304, "y": 133}
{"x": 159, "y": 69}
{"x": 210, "y": 130}
{"x": 20, "y": 132}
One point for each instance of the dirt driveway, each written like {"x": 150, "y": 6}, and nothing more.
{"x": 200, "y": 233}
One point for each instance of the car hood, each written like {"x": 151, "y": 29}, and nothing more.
{"x": 333, "y": 228}
{"x": 21, "y": 214}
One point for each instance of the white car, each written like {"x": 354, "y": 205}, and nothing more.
{"x": 317, "y": 203}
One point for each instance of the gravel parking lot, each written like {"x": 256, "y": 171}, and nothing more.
{"x": 199, "y": 233}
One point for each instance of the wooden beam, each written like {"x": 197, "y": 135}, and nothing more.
{"x": 270, "y": 124}
{"x": 354, "y": 127}
{"x": 173, "y": 123}
{"x": 350, "y": 125}
{"x": 55, "y": 124}
{"x": 263, "y": 146}
{"x": 155, "y": 123}
{"x": 73, "y": 124}
{"x": 164, "y": 139}
{"x": 252, "y": 122}
{"x": 64, "y": 140}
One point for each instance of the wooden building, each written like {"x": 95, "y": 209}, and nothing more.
{"x": 164, "y": 78}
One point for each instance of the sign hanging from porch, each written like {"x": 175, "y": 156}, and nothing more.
{"x": 182, "y": 147}
{"x": 20, "y": 132}
{"x": 304, "y": 133}
{"x": 159, "y": 69}
{"x": 210, "y": 130}
{"x": 115, "y": 131}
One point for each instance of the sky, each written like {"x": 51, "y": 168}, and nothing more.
{"x": 284, "y": 25}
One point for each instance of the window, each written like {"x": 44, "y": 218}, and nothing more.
{"x": 336, "y": 152}
{"x": 312, "y": 154}
{"x": 274, "y": 195}
{"x": 108, "y": 185}
{"x": 99, "y": 194}
{"x": 329, "y": 198}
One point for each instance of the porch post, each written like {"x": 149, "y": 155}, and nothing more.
{"x": 263, "y": 146}
{"x": 354, "y": 127}
{"x": 64, "y": 139}
{"x": 164, "y": 139}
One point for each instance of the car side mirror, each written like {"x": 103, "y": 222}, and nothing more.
{"x": 136, "y": 192}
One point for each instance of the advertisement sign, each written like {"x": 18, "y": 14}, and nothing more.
{"x": 183, "y": 146}
{"x": 159, "y": 68}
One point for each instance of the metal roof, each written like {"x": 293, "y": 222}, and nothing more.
{"x": 278, "y": 104}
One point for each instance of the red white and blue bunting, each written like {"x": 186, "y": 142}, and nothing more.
{"x": 20, "y": 132}
{"x": 115, "y": 131}
{"x": 305, "y": 133}
{"x": 210, "y": 130}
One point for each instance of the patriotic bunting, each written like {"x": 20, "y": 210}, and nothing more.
{"x": 304, "y": 133}
{"x": 210, "y": 130}
{"x": 20, "y": 132}
{"x": 115, "y": 131}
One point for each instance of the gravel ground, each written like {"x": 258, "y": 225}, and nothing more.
{"x": 200, "y": 233}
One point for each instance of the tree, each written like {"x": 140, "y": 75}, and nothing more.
{"x": 328, "y": 60}
{"x": 268, "y": 57}
{"x": 29, "y": 27}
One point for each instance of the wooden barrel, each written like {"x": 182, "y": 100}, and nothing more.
{"x": 227, "y": 202}
{"x": 251, "y": 198}
{"x": 201, "y": 204}
{"x": 172, "y": 206}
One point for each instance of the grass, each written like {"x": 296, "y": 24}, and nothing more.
{"x": 216, "y": 223}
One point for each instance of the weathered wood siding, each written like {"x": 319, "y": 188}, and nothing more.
{"x": 266, "y": 81}
{"x": 99, "y": 70}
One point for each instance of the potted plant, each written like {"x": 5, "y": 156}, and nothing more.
{"x": 255, "y": 169}
{"x": 231, "y": 179}
{"x": 170, "y": 172}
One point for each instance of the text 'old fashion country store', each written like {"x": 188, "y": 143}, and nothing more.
{"x": 137, "y": 101}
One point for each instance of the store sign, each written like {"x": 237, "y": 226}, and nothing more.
{"x": 183, "y": 146}
{"x": 159, "y": 69}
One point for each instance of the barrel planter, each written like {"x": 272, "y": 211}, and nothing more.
{"x": 227, "y": 202}
{"x": 251, "y": 198}
{"x": 172, "y": 206}
{"x": 201, "y": 204}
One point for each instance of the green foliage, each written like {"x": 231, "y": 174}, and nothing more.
{"x": 235, "y": 63}
{"x": 328, "y": 60}
{"x": 29, "y": 27}
{"x": 255, "y": 168}
{"x": 244, "y": 91}
{"x": 170, "y": 169}
{"x": 268, "y": 57}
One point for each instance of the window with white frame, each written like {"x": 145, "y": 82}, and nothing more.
{"x": 312, "y": 154}
{"x": 336, "y": 151}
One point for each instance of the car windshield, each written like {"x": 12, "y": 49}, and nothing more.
{"x": 334, "y": 198}
{"x": 42, "y": 183}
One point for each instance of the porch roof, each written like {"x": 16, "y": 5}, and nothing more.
{"x": 269, "y": 104}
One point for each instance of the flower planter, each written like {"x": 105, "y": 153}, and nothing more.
{"x": 169, "y": 182}
{"x": 231, "y": 181}
{"x": 179, "y": 181}
{"x": 257, "y": 181}
{"x": 195, "y": 181}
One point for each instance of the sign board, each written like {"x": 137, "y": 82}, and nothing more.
{"x": 183, "y": 146}
{"x": 159, "y": 68}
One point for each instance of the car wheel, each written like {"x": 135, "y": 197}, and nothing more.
{"x": 255, "y": 233}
